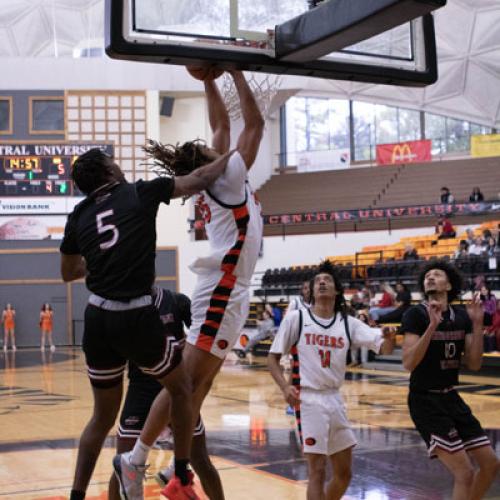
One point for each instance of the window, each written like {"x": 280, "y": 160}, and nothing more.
{"x": 47, "y": 115}
{"x": 6, "y": 116}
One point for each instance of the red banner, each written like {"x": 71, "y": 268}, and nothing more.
{"x": 404, "y": 152}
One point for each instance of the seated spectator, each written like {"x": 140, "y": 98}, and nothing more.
{"x": 447, "y": 229}
{"x": 265, "y": 330}
{"x": 410, "y": 253}
{"x": 489, "y": 303}
{"x": 478, "y": 247}
{"x": 491, "y": 247}
{"x": 470, "y": 236}
{"x": 358, "y": 300}
{"x": 462, "y": 250}
{"x": 446, "y": 196}
{"x": 385, "y": 304}
{"x": 486, "y": 235}
{"x": 359, "y": 355}
{"x": 476, "y": 195}
{"x": 403, "y": 302}
{"x": 494, "y": 329}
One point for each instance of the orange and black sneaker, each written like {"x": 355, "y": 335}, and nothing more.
{"x": 175, "y": 490}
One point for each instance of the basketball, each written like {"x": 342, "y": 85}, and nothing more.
{"x": 204, "y": 72}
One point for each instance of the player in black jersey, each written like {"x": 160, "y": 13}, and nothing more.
{"x": 110, "y": 239}
{"x": 438, "y": 336}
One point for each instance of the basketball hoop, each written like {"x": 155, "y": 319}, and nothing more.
{"x": 264, "y": 89}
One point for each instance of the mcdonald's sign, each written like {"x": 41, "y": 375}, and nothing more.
{"x": 404, "y": 152}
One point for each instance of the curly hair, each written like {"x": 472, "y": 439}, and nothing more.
{"x": 91, "y": 170}
{"x": 176, "y": 160}
{"x": 326, "y": 267}
{"x": 452, "y": 273}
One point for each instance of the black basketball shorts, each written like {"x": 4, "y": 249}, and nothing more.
{"x": 445, "y": 421}
{"x": 111, "y": 338}
{"x": 142, "y": 391}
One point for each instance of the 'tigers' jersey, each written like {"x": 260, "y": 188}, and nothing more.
{"x": 319, "y": 346}
{"x": 233, "y": 223}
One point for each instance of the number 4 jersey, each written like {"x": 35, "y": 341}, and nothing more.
{"x": 114, "y": 229}
{"x": 319, "y": 346}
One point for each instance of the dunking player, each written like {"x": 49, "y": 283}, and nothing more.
{"x": 436, "y": 335}
{"x": 175, "y": 313}
{"x": 110, "y": 239}
{"x": 221, "y": 298}
{"x": 319, "y": 338}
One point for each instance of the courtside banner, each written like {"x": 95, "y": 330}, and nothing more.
{"x": 404, "y": 152}
{"x": 381, "y": 213}
{"x": 482, "y": 146}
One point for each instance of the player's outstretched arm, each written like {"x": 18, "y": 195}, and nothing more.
{"x": 201, "y": 178}
{"x": 218, "y": 117}
{"x": 474, "y": 343}
{"x": 72, "y": 267}
{"x": 249, "y": 140}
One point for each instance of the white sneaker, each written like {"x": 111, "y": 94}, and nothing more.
{"x": 5, "y": 348}
{"x": 52, "y": 348}
{"x": 130, "y": 477}
{"x": 14, "y": 348}
{"x": 163, "y": 476}
{"x": 42, "y": 348}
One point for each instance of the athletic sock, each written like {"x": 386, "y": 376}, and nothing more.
{"x": 181, "y": 470}
{"x": 77, "y": 495}
{"x": 139, "y": 453}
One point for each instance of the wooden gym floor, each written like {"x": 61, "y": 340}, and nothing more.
{"x": 45, "y": 401}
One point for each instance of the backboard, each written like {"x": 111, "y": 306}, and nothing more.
{"x": 380, "y": 41}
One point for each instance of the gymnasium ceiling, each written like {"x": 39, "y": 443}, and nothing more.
{"x": 468, "y": 40}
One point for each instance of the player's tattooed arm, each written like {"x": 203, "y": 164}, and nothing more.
{"x": 474, "y": 343}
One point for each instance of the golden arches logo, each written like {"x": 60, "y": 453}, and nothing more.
{"x": 402, "y": 152}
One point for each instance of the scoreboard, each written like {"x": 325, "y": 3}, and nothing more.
{"x": 41, "y": 169}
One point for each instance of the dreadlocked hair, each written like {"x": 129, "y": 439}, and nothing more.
{"x": 327, "y": 267}
{"x": 176, "y": 160}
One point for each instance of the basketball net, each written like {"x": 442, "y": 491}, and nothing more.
{"x": 264, "y": 90}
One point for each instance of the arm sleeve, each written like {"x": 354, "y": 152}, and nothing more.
{"x": 363, "y": 335}
{"x": 184, "y": 304}
{"x": 69, "y": 244}
{"x": 152, "y": 193}
{"x": 288, "y": 334}
{"x": 414, "y": 321}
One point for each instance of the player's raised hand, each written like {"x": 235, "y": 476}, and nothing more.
{"x": 475, "y": 310}
{"x": 292, "y": 395}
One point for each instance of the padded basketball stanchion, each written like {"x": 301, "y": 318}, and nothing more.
{"x": 264, "y": 89}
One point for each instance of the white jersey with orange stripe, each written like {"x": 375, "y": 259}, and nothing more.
{"x": 319, "y": 347}
{"x": 233, "y": 222}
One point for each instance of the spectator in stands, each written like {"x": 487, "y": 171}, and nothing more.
{"x": 265, "y": 330}
{"x": 489, "y": 302}
{"x": 495, "y": 327}
{"x": 478, "y": 247}
{"x": 367, "y": 295}
{"x": 410, "y": 253}
{"x": 359, "y": 354}
{"x": 358, "y": 300}
{"x": 476, "y": 195}
{"x": 403, "y": 302}
{"x": 445, "y": 228}
{"x": 463, "y": 250}
{"x": 491, "y": 247}
{"x": 446, "y": 196}
{"x": 486, "y": 235}
{"x": 385, "y": 304}
{"x": 303, "y": 300}
{"x": 470, "y": 236}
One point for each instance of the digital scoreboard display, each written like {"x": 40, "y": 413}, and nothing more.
{"x": 39, "y": 169}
